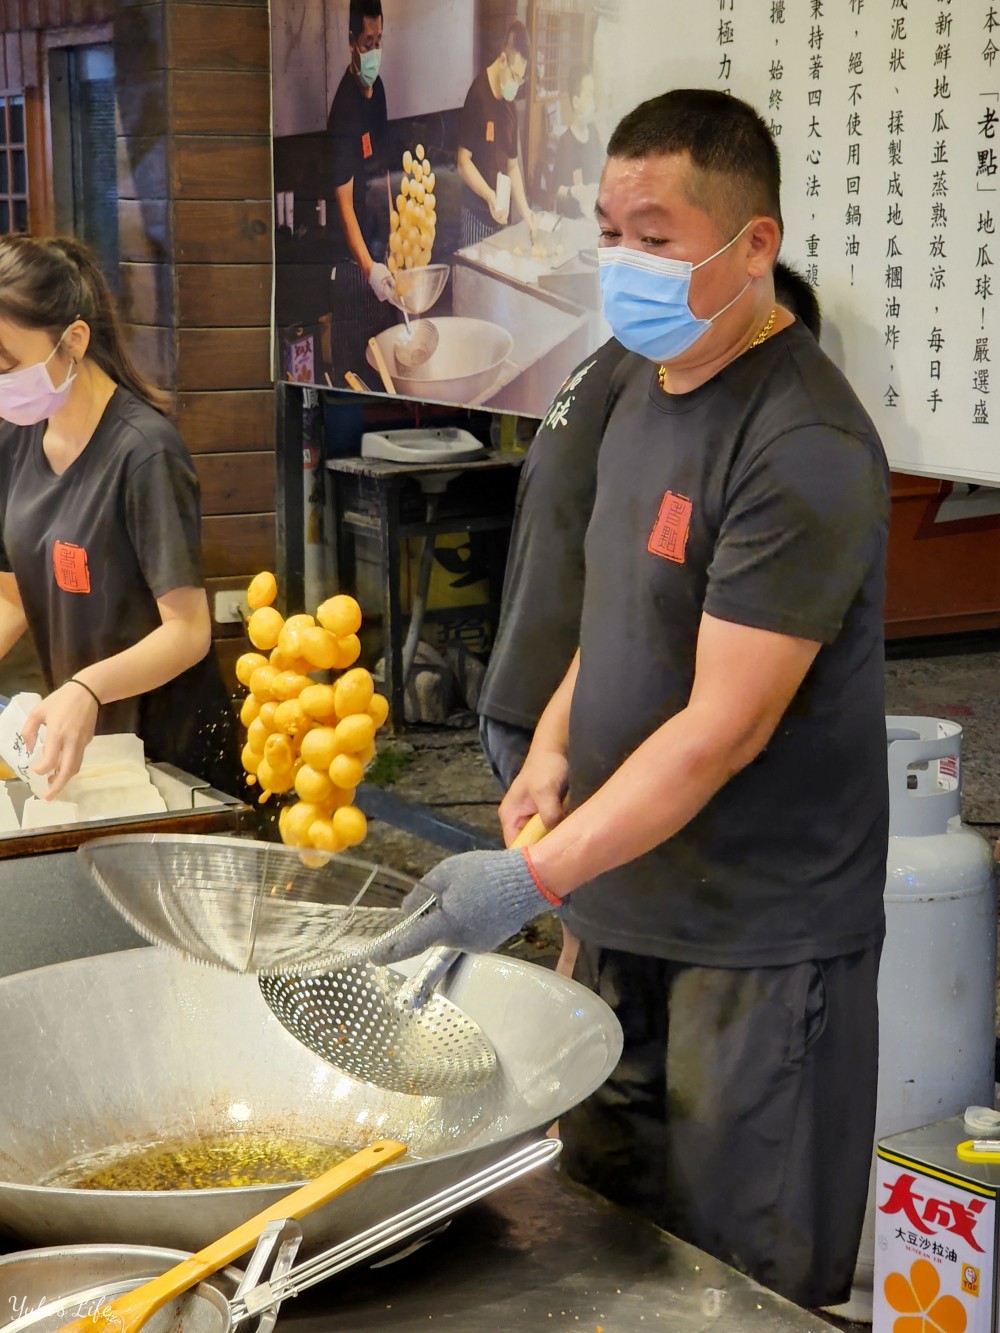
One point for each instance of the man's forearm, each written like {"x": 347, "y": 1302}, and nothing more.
{"x": 659, "y": 788}
{"x": 472, "y": 176}
{"x": 552, "y": 732}
{"x": 517, "y": 192}
{"x": 352, "y": 230}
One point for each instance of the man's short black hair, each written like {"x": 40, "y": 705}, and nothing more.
{"x": 517, "y": 39}
{"x": 359, "y": 11}
{"x": 574, "y": 82}
{"x": 737, "y": 171}
{"x": 798, "y": 295}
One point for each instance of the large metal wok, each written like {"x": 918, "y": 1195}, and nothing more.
{"x": 128, "y": 1047}
{"x": 468, "y": 361}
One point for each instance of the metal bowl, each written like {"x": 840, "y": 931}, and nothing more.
{"x": 33, "y": 1278}
{"x": 420, "y": 288}
{"x": 466, "y": 362}
{"x": 136, "y": 1046}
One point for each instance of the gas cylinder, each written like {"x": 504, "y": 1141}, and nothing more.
{"x": 937, "y": 979}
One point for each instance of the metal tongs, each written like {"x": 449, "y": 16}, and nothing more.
{"x": 256, "y": 1297}
{"x": 279, "y": 1287}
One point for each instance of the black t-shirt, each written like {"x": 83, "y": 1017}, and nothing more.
{"x": 539, "y": 627}
{"x": 572, "y": 156}
{"x": 488, "y": 129}
{"x": 358, "y": 127}
{"x": 91, "y": 551}
{"x": 760, "y": 498}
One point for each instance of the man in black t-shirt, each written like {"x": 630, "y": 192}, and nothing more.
{"x": 358, "y": 132}
{"x": 720, "y": 734}
{"x": 488, "y": 143}
{"x": 579, "y": 158}
{"x": 539, "y": 629}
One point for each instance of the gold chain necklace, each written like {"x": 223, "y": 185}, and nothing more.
{"x": 762, "y": 336}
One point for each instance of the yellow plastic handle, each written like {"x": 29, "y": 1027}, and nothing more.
{"x": 534, "y": 831}
{"x": 968, "y": 1152}
{"x": 129, "y": 1312}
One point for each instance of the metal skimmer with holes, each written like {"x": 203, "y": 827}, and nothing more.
{"x": 248, "y": 906}
{"x": 360, "y": 1020}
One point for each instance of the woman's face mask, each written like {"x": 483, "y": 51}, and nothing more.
{"x": 646, "y": 300}
{"x": 28, "y": 396}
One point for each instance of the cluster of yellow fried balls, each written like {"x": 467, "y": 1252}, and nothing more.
{"x": 311, "y": 739}
{"x": 413, "y": 222}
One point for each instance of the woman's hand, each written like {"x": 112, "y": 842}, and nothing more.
{"x": 69, "y": 715}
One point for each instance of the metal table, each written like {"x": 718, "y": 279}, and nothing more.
{"x": 383, "y": 501}
{"x": 546, "y": 1254}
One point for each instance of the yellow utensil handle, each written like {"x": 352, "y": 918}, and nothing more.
{"x": 130, "y": 1311}
{"x": 534, "y": 831}
{"x": 381, "y": 367}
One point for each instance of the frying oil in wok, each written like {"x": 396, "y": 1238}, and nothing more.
{"x": 212, "y": 1162}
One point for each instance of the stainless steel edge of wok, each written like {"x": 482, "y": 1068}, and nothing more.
{"x": 139, "y": 1045}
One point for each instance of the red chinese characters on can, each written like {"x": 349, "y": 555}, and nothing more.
{"x": 930, "y": 1215}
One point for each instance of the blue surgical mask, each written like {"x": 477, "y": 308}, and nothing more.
{"x": 369, "y": 64}
{"x": 508, "y": 89}
{"x": 646, "y": 300}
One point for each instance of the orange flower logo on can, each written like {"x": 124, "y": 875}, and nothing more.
{"x": 918, "y": 1301}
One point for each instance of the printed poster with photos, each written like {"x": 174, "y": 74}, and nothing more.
{"x": 459, "y": 183}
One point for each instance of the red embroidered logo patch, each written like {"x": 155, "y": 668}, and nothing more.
{"x": 69, "y": 564}
{"x": 490, "y": 131}
{"x": 670, "y": 531}
{"x": 366, "y": 145}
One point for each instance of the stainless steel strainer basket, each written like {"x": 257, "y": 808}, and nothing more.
{"x": 248, "y": 906}
{"x": 394, "y": 1032}
{"x": 417, "y": 289}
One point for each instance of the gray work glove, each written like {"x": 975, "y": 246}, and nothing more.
{"x": 483, "y": 899}
{"x": 381, "y": 281}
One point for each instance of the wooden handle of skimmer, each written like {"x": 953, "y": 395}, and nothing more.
{"x": 130, "y": 1311}
{"x": 534, "y": 831}
{"x": 381, "y": 367}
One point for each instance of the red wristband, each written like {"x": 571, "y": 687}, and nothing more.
{"x": 547, "y": 894}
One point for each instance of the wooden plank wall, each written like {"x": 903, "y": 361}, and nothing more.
{"x": 22, "y": 22}
{"x": 194, "y": 178}
{"x": 195, "y": 188}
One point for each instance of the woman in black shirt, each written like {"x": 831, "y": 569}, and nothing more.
{"x": 99, "y": 529}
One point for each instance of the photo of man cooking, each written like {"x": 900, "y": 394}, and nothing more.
{"x": 488, "y": 150}
{"x": 417, "y": 212}
{"x": 358, "y": 128}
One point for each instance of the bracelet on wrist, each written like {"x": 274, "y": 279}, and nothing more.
{"x": 75, "y": 680}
